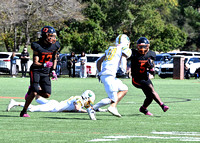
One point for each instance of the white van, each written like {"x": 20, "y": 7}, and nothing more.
{"x": 5, "y": 62}
{"x": 90, "y": 65}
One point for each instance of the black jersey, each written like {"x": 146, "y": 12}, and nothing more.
{"x": 45, "y": 53}
{"x": 139, "y": 66}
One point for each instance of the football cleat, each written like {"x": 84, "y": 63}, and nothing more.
{"x": 114, "y": 111}
{"x": 101, "y": 110}
{"x": 24, "y": 114}
{"x": 164, "y": 107}
{"x": 91, "y": 114}
{"x": 145, "y": 111}
{"x": 11, "y": 104}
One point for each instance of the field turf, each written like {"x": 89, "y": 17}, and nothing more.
{"x": 181, "y": 123}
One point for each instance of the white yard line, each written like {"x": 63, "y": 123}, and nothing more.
{"x": 186, "y": 137}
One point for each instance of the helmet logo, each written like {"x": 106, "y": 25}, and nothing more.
{"x": 90, "y": 95}
{"x": 45, "y": 29}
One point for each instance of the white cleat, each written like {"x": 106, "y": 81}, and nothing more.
{"x": 114, "y": 111}
{"x": 11, "y": 104}
{"x": 91, "y": 114}
{"x": 101, "y": 110}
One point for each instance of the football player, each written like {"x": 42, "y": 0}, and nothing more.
{"x": 44, "y": 51}
{"x": 73, "y": 104}
{"x": 141, "y": 66}
{"x": 107, "y": 65}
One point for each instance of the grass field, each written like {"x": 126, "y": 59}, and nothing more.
{"x": 181, "y": 123}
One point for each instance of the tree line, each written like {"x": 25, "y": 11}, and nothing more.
{"x": 91, "y": 25}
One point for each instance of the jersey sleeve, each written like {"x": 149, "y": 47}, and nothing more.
{"x": 127, "y": 51}
{"x": 153, "y": 55}
{"x": 36, "y": 47}
{"x": 57, "y": 46}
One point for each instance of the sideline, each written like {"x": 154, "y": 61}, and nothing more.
{"x": 11, "y": 97}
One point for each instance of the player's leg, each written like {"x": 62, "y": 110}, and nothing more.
{"x": 41, "y": 100}
{"x": 140, "y": 84}
{"x": 45, "y": 84}
{"x": 151, "y": 95}
{"x": 111, "y": 88}
{"x": 48, "y": 107}
{"x": 34, "y": 81}
{"x": 14, "y": 103}
{"x": 122, "y": 88}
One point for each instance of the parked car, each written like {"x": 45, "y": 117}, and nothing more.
{"x": 90, "y": 65}
{"x": 63, "y": 67}
{"x": 192, "y": 62}
{"x": 161, "y": 59}
{"x": 5, "y": 62}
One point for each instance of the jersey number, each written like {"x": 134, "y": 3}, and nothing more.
{"x": 110, "y": 54}
{"x": 142, "y": 66}
{"x": 45, "y": 58}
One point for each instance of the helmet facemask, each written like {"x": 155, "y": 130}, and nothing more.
{"x": 88, "y": 98}
{"x": 51, "y": 38}
{"x": 143, "y": 48}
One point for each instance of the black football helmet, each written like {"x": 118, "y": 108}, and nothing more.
{"x": 143, "y": 45}
{"x": 48, "y": 33}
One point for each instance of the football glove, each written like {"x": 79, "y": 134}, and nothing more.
{"x": 54, "y": 75}
{"x": 152, "y": 71}
{"x": 48, "y": 64}
{"x": 150, "y": 63}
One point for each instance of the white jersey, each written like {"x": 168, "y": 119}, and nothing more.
{"x": 112, "y": 61}
{"x": 68, "y": 105}
{"x": 82, "y": 60}
{"x": 55, "y": 106}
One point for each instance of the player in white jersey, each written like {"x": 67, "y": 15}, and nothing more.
{"x": 73, "y": 104}
{"x": 107, "y": 65}
{"x": 83, "y": 61}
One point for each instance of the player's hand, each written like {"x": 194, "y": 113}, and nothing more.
{"x": 99, "y": 78}
{"x": 150, "y": 63}
{"x": 48, "y": 64}
{"x": 54, "y": 75}
{"x": 152, "y": 71}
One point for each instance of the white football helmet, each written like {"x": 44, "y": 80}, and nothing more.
{"x": 88, "y": 98}
{"x": 123, "y": 40}
{"x": 127, "y": 51}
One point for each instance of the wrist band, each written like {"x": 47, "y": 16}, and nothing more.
{"x": 44, "y": 65}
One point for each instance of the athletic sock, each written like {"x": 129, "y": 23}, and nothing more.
{"x": 41, "y": 100}
{"x": 102, "y": 103}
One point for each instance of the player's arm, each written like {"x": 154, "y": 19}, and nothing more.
{"x": 54, "y": 61}
{"x": 36, "y": 59}
{"x": 79, "y": 108}
{"x": 99, "y": 62}
{"x": 123, "y": 63}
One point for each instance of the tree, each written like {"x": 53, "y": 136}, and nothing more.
{"x": 31, "y": 14}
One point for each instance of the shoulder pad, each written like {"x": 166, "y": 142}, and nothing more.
{"x": 153, "y": 55}
{"x": 57, "y": 44}
{"x": 127, "y": 51}
{"x": 35, "y": 46}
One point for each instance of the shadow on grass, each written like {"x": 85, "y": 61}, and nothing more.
{"x": 8, "y": 116}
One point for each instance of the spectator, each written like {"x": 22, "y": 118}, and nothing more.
{"x": 58, "y": 66}
{"x": 71, "y": 64}
{"x": 13, "y": 69}
{"x": 83, "y": 61}
{"x": 186, "y": 72}
{"x": 24, "y": 61}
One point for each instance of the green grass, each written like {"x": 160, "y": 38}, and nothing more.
{"x": 182, "y": 96}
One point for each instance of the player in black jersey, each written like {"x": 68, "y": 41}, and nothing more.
{"x": 44, "y": 59}
{"x": 141, "y": 66}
